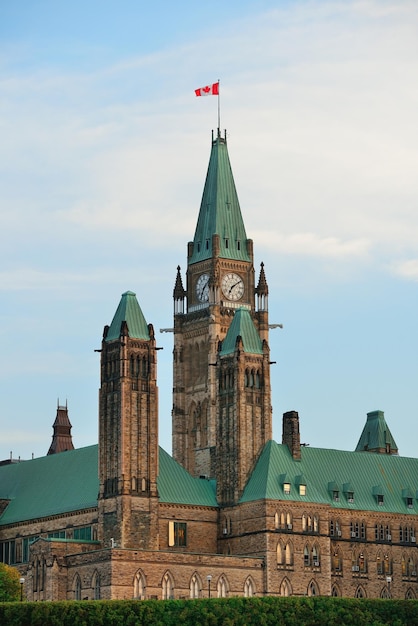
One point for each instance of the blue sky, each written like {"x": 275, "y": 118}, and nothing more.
{"x": 103, "y": 157}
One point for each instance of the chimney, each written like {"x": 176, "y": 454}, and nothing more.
{"x": 291, "y": 436}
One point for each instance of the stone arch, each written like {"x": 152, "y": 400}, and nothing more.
{"x": 285, "y": 587}
{"x": 384, "y": 592}
{"x": 140, "y": 585}
{"x": 167, "y": 586}
{"x": 410, "y": 594}
{"x": 95, "y": 585}
{"x": 249, "y": 587}
{"x": 195, "y": 586}
{"x": 313, "y": 589}
{"x": 222, "y": 586}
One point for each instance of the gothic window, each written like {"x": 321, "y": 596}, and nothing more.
{"x": 313, "y": 589}
{"x": 363, "y": 530}
{"x": 360, "y": 592}
{"x": 139, "y": 586}
{"x": 96, "y": 586}
{"x": 167, "y": 587}
{"x": 384, "y": 593}
{"x": 315, "y": 556}
{"x": 249, "y": 588}
{"x": 279, "y": 553}
{"x": 195, "y": 586}
{"x": 379, "y": 564}
{"x": 222, "y": 587}
{"x": 289, "y": 524}
{"x": 285, "y": 588}
{"x": 410, "y": 594}
{"x": 306, "y": 557}
{"x": 77, "y": 588}
{"x": 276, "y": 521}
{"x": 257, "y": 380}
{"x": 316, "y": 524}
{"x": 335, "y": 591}
{"x": 336, "y": 561}
{"x": 288, "y": 554}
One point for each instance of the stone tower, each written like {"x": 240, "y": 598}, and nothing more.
{"x": 244, "y": 399}
{"x": 219, "y": 281}
{"x": 61, "y": 439}
{"x": 128, "y": 430}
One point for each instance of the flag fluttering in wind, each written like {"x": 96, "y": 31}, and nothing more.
{"x": 209, "y": 90}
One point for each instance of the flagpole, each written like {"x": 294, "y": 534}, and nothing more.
{"x": 219, "y": 108}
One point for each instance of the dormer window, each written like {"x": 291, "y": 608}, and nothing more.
{"x": 286, "y": 488}
{"x": 198, "y": 246}
{"x": 380, "y": 499}
{"x": 238, "y": 245}
{"x": 227, "y": 243}
{"x": 207, "y": 244}
{"x": 302, "y": 490}
{"x": 336, "y": 496}
{"x": 350, "y": 496}
{"x": 409, "y": 503}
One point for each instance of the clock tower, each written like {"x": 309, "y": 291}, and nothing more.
{"x": 219, "y": 282}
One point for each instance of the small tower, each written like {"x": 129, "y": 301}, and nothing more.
{"x": 244, "y": 406}
{"x": 61, "y": 439}
{"x": 376, "y": 435}
{"x": 128, "y": 430}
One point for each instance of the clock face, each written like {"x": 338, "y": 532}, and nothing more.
{"x": 232, "y": 286}
{"x": 202, "y": 288}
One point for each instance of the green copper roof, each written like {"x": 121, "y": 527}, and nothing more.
{"x": 220, "y": 212}
{"x": 364, "y": 474}
{"x": 68, "y": 481}
{"x": 50, "y": 485}
{"x": 376, "y": 434}
{"x": 177, "y": 486}
{"x": 130, "y": 312}
{"x": 242, "y": 325}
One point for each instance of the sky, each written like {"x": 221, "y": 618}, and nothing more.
{"x": 103, "y": 155}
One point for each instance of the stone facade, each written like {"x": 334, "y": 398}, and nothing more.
{"x": 134, "y": 543}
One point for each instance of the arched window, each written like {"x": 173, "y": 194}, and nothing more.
{"x": 336, "y": 561}
{"x": 280, "y": 555}
{"x": 384, "y": 592}
{"x": 288, "y": 554}
{"x": 276, "y": 520}
{"x": 195, "y": 586}
{"x": 304, "y": 523}
{"x": 249, "y": 587}
{"x": 315, "y": 556}
{"x": 306, "y": 557}
{"x": 222, "y": 587}
{"x": 313, "y": 589}
{"x": 335, "y": 591}
{"x": 96, "y": 586}
{"x": 360, "y": 592}
{"x": 285, "y": 588}
{"x": 167, "y": 587}
{"x": 139, "y": 586}
{"x": 410, "y": 594}
{"x": 77, "y": 587}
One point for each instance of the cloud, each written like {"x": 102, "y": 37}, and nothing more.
{"x": 406, "y": 269}
{"x": 312, "y": 245}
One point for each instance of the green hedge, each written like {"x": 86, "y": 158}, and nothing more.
{"x": 229, "y": 612}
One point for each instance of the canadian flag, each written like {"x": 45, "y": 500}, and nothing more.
{"x": 209, "y": 90}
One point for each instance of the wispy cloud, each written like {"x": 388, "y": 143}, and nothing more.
{"x": 406, "y": 269}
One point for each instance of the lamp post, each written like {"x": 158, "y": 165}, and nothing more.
{"x": 209, "y": 578}
{"x": 22, "y": 581}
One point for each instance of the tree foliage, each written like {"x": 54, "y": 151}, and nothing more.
{"x": 9, "y": 583}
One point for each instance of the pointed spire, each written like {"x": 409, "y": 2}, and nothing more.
{"x": 262, "y": 287}
{"x": 179, "y": 294}
{"x": 220, "y": 212}
{"x": 61, "y": 439}
{"x": 376, "y": 435}
{"x": 128, "y": 318}
{"x": 242, "y": 326}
